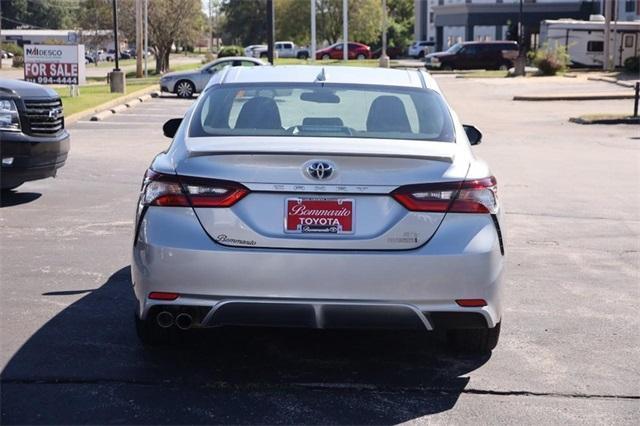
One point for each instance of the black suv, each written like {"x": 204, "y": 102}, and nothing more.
{"x": 475, "y": 55}
{"x": 33, "y": 141}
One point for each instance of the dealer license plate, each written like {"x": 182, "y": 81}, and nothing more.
{"x": 319, "y": 216}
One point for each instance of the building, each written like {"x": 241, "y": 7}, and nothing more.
{"x": 450, "y": 21}
{"x": 93, "y": 40}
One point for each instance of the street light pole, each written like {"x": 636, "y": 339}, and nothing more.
{"x": 146, "y": 37}
{"x": 270, "y": 31}
{"x": 520, "y": 61}
{"x": 345, "y": 30}
{"x": 313, "y": 30}
{"x": 116, "y": 77}
{"x": 384, "y": 59}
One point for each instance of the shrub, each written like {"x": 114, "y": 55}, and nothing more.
{"x": 230, "y": 51}
{"x": 632, "y": 64}
{"x": 550, "y": 60}
{"x": 12, "y": 48}
{"x": 18, "y": 61}
{"x": 208, "y": 57}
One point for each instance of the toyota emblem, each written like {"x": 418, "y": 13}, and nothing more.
{"x": 320, "y": 170}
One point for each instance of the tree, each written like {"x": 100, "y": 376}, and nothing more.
{"x": 245, "y": 21}
{"x": 365, "y": 17}
{"x": 51, "y": 14}
{"x": 293, "y": 20}
{"x": 172, "y": 21}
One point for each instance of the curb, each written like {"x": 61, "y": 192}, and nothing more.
{"x": 578, "y": 97}
{"x": 622, "y": 120}
{"x": 104, "y": 110}
{"x": 612, "y": 80}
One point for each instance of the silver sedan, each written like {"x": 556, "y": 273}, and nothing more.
{"x": 303, "y": 196}
{"x": 187, "y": 83}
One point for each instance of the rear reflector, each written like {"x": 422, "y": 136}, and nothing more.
{"x": 180, "y": 191}
{"x": 470, "y": 196}
{"x": 471, "y": 303}
{"x": 159, "y": 295}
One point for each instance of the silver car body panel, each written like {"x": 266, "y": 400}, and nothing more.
{"x": 415, "y": 262}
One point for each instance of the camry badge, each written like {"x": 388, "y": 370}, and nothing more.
{"x": 320, "y": 170}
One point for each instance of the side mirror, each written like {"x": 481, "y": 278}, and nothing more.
{"x": 474, "y": 135}
{"x": 171, "y": 127}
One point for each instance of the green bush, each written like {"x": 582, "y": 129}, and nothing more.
{"x": 230, "y": 51}
{"x": 12, "y": 48}
{"x": 632, "y": 64}
{"x": 550, "y": 60}
{"x": 18, "y": 61}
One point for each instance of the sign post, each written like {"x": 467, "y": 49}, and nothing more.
{"x": 54, "y": 64}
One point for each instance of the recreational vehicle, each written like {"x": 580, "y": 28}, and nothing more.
{"x": 584, "y": 40}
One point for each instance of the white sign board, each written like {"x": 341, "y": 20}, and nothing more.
{"x": 54, "y": 64}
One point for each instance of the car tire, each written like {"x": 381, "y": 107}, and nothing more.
{"x": 326, "y": 57}
{"x": 264, "y": 55}
{"x": 447, "y": 68}
{"x": 150, "y": 333}
{"x": 185, "y": 89}
{"x": 503, "y": 67}
{"x": 304, "y": 56}
{"x": 478, "y": 341}
{"x": 420, "y": 55}
{"x": 361, "y": 57}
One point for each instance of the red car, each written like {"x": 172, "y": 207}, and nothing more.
{"x": 356, "y": 51}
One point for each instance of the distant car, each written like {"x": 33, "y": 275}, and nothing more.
{"x": 186, "y": 83}
{"x": 475, "y": 55}
{"x": 33, "y": 140}
{"x": 88, "y": 59}
{"x": 250, "y": 50}
{"x": 392, "y": 53}
{"x": 355, "y": 51}
{"x": 419, "y": 48}
{"x": 284, "y": 49}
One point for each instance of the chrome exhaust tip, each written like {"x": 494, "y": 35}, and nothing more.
{"x": 164, "y": 319}
{"x": 184, "y": 321}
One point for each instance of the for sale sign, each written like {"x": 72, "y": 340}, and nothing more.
{"x": 54, "y": 64}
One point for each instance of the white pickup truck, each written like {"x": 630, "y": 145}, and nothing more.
{"x": 284, "y": 49}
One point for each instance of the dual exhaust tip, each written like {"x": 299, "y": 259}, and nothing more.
{"x": 166, "y": 319}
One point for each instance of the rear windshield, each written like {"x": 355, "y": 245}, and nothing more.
{"x": 349, "y": 111}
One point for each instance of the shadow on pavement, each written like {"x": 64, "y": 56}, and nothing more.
{"x": 15, "y": 198}
{"x": 86, "y": 366}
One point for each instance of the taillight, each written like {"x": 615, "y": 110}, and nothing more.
{"x": 171, "y": 190}
{"x": 470, "y": 196}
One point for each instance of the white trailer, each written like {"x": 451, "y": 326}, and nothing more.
{"x": 584, "y": 40}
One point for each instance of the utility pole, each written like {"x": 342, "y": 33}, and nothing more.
{"x": 270, "y": 30}
{"x": 384, "y": 59}
{"x": 520, "y": 64}
{"x": 210, "y": 26}
{"x": 146, "y": 37}
{"x": 313, "y": 30}
{"x": 607, "y": 36}
{"x": 138, "y": 38}
{"x": 0, "y": 28}
{"x": 345, "y": 30}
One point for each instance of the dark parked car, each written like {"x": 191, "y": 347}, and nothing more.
{"x": 355, "y": 51}
{"x": 474, "y": 55}
{"x": 392, "y": 53}
{"x": 33, "y": 141}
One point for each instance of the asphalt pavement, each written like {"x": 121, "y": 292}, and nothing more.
{"x": 568, "y": 353}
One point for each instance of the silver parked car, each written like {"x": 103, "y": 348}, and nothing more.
{"x": 336, "y": 197}
{"x": 186, "y": 83}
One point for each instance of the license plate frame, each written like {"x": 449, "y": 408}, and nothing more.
{"x": 337, "y": 225}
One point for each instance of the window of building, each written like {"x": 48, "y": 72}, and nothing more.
{"x": 595, "y": 46}
{"x": 630, "y": 6}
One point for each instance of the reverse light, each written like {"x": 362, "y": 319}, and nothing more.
{"x": 165, "y": 190}
{"x": 470, "y": 196}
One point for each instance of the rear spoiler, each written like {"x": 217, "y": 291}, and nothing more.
{"x": 267, "y": 145}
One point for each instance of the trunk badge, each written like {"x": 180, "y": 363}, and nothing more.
{"x": 320, "y": 170}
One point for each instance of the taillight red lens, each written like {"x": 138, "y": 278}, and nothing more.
{"x": 471, "y": 303}
{"x": 171, "y": 190}
{"x": 472, "y": 196}
{"x": 161, "y": 295}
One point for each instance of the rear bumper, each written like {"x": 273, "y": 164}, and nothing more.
{"x": 27, "y": 158}
{"x": 322, "y": 289}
